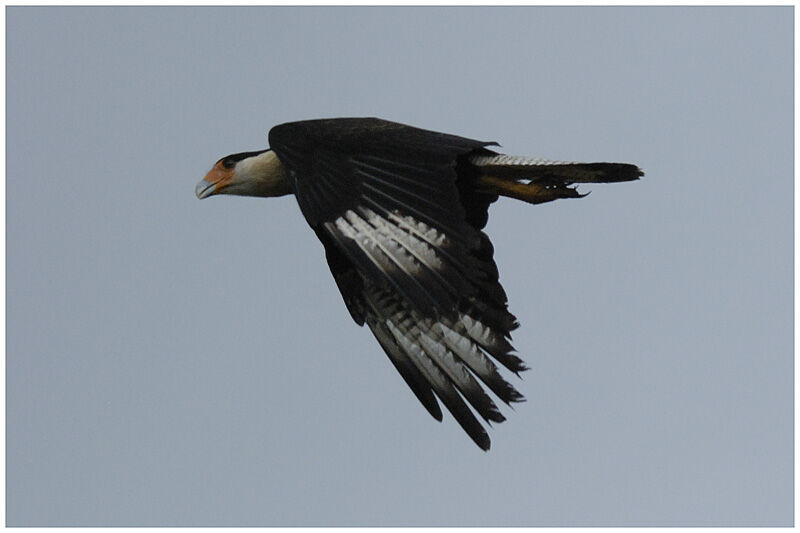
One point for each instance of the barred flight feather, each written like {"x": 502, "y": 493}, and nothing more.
{"x": 444, "y": 354}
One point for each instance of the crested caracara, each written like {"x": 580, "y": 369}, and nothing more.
{"x": 400, "y": 211}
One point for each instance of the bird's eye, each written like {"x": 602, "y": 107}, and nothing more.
{"x": 228, "y": 162}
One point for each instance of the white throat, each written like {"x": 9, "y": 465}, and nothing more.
{"x": 262, "y": 175}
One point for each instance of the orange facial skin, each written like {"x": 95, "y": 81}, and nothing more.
{"x": 219, "y": 176}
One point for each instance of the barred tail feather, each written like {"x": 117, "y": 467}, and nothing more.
{"x": 537, "y": 181}
{"x": 535, "y": 169}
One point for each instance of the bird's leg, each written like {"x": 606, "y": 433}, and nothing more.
{"x": 533, "y": 193}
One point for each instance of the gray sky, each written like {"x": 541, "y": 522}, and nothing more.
{"x": 177, "y": 362}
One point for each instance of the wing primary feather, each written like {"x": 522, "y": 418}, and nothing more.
{"x": 367, "y": 263}
{"x": 460, "y": 376}
{"x": 409, "y": 372}
{"x": 415, "y": 291}
{"x": 496, "y": 317}
{"x": 494, "y": 343}
{"x": 406, "y": 241}
{"x": 391, "y": 317}
{"x": 469, "y": 352}
{"x": 443, "y": 388}
{"x": 404, "y": 224}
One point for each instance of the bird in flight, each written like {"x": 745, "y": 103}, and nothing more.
{"x": 400, "y": 211}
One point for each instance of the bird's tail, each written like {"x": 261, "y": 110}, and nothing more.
{"x": 537, "y": 181}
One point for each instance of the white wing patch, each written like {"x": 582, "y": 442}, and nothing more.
{"x": 409, "y": 243}
{"x": 425, "y": 232}
{"x": 421, "y": 250}
{"x": 407, "y": 254}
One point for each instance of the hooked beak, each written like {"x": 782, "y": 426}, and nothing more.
{"x": 204, "y": 189}
{"x": 215, "y": 180}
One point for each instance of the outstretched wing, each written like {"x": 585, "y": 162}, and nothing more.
{"x": 408, "y": 258}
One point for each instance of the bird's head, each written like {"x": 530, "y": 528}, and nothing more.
{"x": 245, "y": 174}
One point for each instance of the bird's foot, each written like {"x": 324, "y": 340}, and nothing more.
{"x": 539, "y": 194}
{"x": 533, "y": 193}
